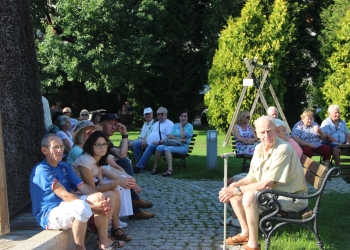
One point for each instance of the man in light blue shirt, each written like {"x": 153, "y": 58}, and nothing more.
{"x": 336, "y": 131}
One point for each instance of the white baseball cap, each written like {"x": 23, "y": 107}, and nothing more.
{"x": 279, "y": 122}
{"x": 147, "y": 110}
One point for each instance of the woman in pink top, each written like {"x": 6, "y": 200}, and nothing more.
{"x": 281, "y": 129}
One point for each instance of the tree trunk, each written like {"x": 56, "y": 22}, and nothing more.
{"x": 20, "y": 100}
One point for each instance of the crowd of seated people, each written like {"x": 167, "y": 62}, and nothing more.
{"x": 92, "y": 162}
{"x": 106, "y": 169}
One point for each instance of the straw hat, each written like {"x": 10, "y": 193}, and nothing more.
{"x": 81, "y": 125}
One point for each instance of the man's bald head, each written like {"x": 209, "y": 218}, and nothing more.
{"x": 272, "y": 111}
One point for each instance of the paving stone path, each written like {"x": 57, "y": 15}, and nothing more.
{"x": 187, "y": 214}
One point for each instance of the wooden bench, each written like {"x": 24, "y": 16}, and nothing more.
{"x": 245, "y": 158}
{"x": 180, "y": 159}
{"x": 315, "y": 174}
{"x": 345, "y": 162}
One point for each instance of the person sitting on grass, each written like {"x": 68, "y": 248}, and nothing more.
{"x": 56, "y": 207}
{"x": 181, "y": 132}
{"x": 274, "y": 165}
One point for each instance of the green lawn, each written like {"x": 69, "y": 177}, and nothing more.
{"x": 334, "y": 216}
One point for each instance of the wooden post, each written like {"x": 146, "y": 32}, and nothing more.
{"x": 4, "y": 210}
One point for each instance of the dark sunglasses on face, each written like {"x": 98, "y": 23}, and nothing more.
{"x": 84, "y": 114}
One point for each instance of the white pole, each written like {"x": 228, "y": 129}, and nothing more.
{"x": 225, "y": 156}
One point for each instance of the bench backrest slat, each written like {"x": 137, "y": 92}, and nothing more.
{"x": 314, "y": 172}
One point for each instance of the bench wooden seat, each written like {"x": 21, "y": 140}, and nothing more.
{"x": 180, "y": 159}
{"x": 345, "y": 162}
{"x": 315, "y": 174}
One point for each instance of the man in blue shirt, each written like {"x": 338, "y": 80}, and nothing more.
{"x": 55, "y": 207}
{"x": 336, "y": 131}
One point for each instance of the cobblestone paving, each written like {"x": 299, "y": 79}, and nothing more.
{"x": 187, "y": 214}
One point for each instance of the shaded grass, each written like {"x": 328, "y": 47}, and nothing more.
{"x": 334, "y": 215}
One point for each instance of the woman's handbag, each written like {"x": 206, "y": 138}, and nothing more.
{"x": 173, "y": 142}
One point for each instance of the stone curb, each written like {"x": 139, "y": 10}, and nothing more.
{"x": 50, "y": 240}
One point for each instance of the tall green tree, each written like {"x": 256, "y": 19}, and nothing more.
{"x": 149, "y": 51}
{"x": 262, "y": 31}
{"x": 337, "y": 82}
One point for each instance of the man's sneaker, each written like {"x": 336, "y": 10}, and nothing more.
{"x": 141, "y": 204}
{"x": 141, "y": 215}
{"x": 137, "y": 170}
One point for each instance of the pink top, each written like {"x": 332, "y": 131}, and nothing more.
{"x": 296, "y": 147}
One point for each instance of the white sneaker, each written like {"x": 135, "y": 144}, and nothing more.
{"x": 122, "y": 224}
{"x": 233, "y": 222}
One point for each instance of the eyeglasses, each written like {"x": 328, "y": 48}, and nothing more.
{"x": 56, "y": 148}
{"x": 103, "y": 145}
{"x": 89, "y": 132}
{"x": 84, "y": 114}
{"x": 248, "y": 117}
{"x": 65, "y": 112}
{"x": 160, "y": 114}
{"x": 147, "y": 114}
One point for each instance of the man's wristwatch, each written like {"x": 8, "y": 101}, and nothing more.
{"x": 238, "y": 191}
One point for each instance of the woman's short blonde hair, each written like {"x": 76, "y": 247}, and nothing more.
{"x": 307, "y": 113}
{"x": 242, "y": 115}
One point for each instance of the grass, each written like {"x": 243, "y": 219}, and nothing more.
{"x": 334, "y": 215}
{"x": 197, "y": 162}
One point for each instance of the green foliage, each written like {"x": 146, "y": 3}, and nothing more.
{"x": 260, "y": 31}
{"x": 330, "y": 18}
{"x": 337, "y": 83}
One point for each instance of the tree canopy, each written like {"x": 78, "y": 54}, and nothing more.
{"x": 261, "y": 32}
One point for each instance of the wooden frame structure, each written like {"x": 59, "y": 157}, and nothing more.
{"x": 252, "y": 65}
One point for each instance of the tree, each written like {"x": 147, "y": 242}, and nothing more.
{"x": 262, "y": 31}
{"x": 20, "y": 100}
{"x": 337, "y": 82}
{"x": 146, "y": 50}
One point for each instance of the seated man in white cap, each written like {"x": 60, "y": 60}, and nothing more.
{"x": 146, "y": 128}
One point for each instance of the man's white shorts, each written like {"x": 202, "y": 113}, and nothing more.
{"x": 62, "y": 217}
{"x": 288, "y": 204}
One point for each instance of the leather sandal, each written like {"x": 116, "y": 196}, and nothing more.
{"x": 237, "y": 240}
{"x": 154, "y": 171}
{"x": 116, "y": 244}
{"x": 168, "y": 173}
{"x": 245, "y": 247}
{"x": 122, "y": 236}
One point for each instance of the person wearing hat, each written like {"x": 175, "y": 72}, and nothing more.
{"x": 110, "y": 124}
{"x": 281, "y": 130}
{"x": 81, "y": 132}
{"x": 146, "y": 128}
